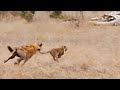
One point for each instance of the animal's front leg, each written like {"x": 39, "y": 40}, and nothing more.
{"x": 24, "y": 61}
{"x": 59, "y": 56}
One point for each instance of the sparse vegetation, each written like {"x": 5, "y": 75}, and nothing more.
{"x": 56, "y": 14}
{"x": 27, "y": 15}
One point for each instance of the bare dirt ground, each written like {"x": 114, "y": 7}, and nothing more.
{"x": 93, "y": 51}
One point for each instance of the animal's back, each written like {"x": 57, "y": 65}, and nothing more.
{"x": 29, "y": 49}
{"x": 61, "y": 51}
{"x": 57, "y": 50}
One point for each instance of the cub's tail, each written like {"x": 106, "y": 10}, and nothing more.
{"x": 45, "y": 52}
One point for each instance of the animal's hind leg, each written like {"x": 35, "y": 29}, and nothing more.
{"x": 18, "y": 61}
{"x": 56, "y": 57}
{"x": 11, "y": 57}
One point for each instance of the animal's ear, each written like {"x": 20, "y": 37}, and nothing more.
{"x": 65, "y": 48}
{"x": 40, "y": 44}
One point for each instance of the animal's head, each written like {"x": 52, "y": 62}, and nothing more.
{"x": 37, "y": 46}
{"x": 65, "y": 48}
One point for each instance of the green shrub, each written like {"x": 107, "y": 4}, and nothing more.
{"x": 56, "y": 14}
{"x": 26, "y": 15}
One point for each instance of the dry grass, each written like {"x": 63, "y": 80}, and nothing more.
{"x": 93, "y": 51}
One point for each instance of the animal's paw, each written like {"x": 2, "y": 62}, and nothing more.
{"x": 15, "y": 63}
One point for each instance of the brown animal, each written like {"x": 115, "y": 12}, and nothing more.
{"x": 24, "y": 52}
{"x": 56, "y": 52}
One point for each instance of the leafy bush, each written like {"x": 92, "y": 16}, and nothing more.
{"x": 26, "y": 15}
{"x": 56, "y": 14}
